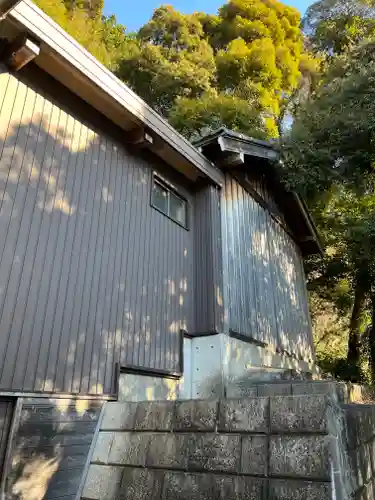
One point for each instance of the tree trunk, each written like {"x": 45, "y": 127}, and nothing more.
{"x": 354, "y": 327}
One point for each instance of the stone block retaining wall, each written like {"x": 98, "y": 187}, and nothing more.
{"x": 259, "y": 448}
{"x": 361, "y": 445}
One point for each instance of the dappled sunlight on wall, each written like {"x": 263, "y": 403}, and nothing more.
{"x": 247, "y": 273}
{"x": 90, "y": 274}
{"x": 33, "y": 484}
{"x": 263, "y": 273}
{"x": 208, "y": 283}
{"x": 136, "y": 388}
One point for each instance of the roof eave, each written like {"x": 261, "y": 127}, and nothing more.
{"x": 103, "y": 84}
{"x": 310, "y": 223}
{"x": 6, "y": 6}
{"x": 240, "y": 143}
{"x": 230, "y": 134}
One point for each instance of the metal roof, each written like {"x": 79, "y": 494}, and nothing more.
{"x": 223, "y": 141}
{"x": 223, "y": 131}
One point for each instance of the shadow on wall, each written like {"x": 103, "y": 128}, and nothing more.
{"x": 266, "y": 289}
{"x": 90, "y": 273}
{"x": 50, "y": 448}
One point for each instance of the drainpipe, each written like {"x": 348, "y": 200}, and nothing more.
{"x": 6, "y": 6}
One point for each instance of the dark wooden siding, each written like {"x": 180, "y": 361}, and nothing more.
{"x": 209, "y": 305}
{"x": 50, "y": 447}
{"x": 264, "y": 284}
{"x": 6, "y": 414}
{"x": 90, "y": 273}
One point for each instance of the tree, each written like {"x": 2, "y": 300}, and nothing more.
{"x": 170, "y": 58}
{"x": 336, "y": 26}
{"x": 333, "y": 134}
{"x": 330, "y": 158}
{"x": 201, "y": 70}
{"x": 100, "y": 35}
{"x": 245, "y": 68}
{"x": 195, "y": 117}
{"x": 311, "y": 69}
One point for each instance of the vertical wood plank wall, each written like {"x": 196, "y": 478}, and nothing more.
{"x": 90, "y": 273}
{"x": 209, "y": 307}
{"x": 264, "y": 284}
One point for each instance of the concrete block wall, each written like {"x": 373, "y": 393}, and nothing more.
{"x": 361, "y": 445}
{"x": 257, "y": 448}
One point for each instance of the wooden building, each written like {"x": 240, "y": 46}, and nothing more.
{"x": 133, "y": 264}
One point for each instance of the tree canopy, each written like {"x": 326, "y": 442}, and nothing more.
{"x": 83, "y": 20}
{"x": 170, "y": 57}
{"x": 334, "y": 132}
{"x": 336, "y": 26}
{"x": 329, "y": 157}
{"x": 239, "y": 68}
{"x": 204, "y": 71}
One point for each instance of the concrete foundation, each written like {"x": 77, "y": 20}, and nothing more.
{"x": 216, "y": 366}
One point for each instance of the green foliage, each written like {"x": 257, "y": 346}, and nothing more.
{"x": 170, "y": 58}
{"x": 201, "y": 70}
{"x": 245, "y": 68}
{"x": 336, "y": 26}
{"x": 329, "y": 157}
{"x": 253, "y": 20}
{"x": 333, "y": 134}
{"x": 198, "y": 116}
{"x": 331, "y": 333}
{"x": 93, "y": 8}
{"x": 101, "y": 36}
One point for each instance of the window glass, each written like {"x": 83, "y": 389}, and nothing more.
{"x": 177, "y": 209}
{"x": 160, "y": 197}
{"x": 167, "y": 201}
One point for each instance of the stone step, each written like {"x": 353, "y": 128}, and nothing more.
{"x": 274, "y": 414}
{"x": 110, "y": 482}
{"x": 304, "y": 456}
{"x": 289, "y": 388}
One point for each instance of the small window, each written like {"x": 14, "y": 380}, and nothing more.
{"x": 168, "y": 202}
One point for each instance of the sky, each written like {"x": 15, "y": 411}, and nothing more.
{"x": 134, "y": 13}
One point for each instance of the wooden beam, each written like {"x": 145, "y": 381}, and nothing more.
{"x": 247, "y": 147}
{"x": 20, "y": 52}
{"x": 232, "y": 160}
{"x": 139, "y": 137}
{"x": 6, "y": 6}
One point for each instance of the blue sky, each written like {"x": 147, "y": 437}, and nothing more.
{"x": 133, "y": 13}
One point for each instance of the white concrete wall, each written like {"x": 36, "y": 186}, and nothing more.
{"x": 214, "y": 366}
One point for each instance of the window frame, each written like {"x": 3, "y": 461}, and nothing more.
{"x": 164, "y": 184}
